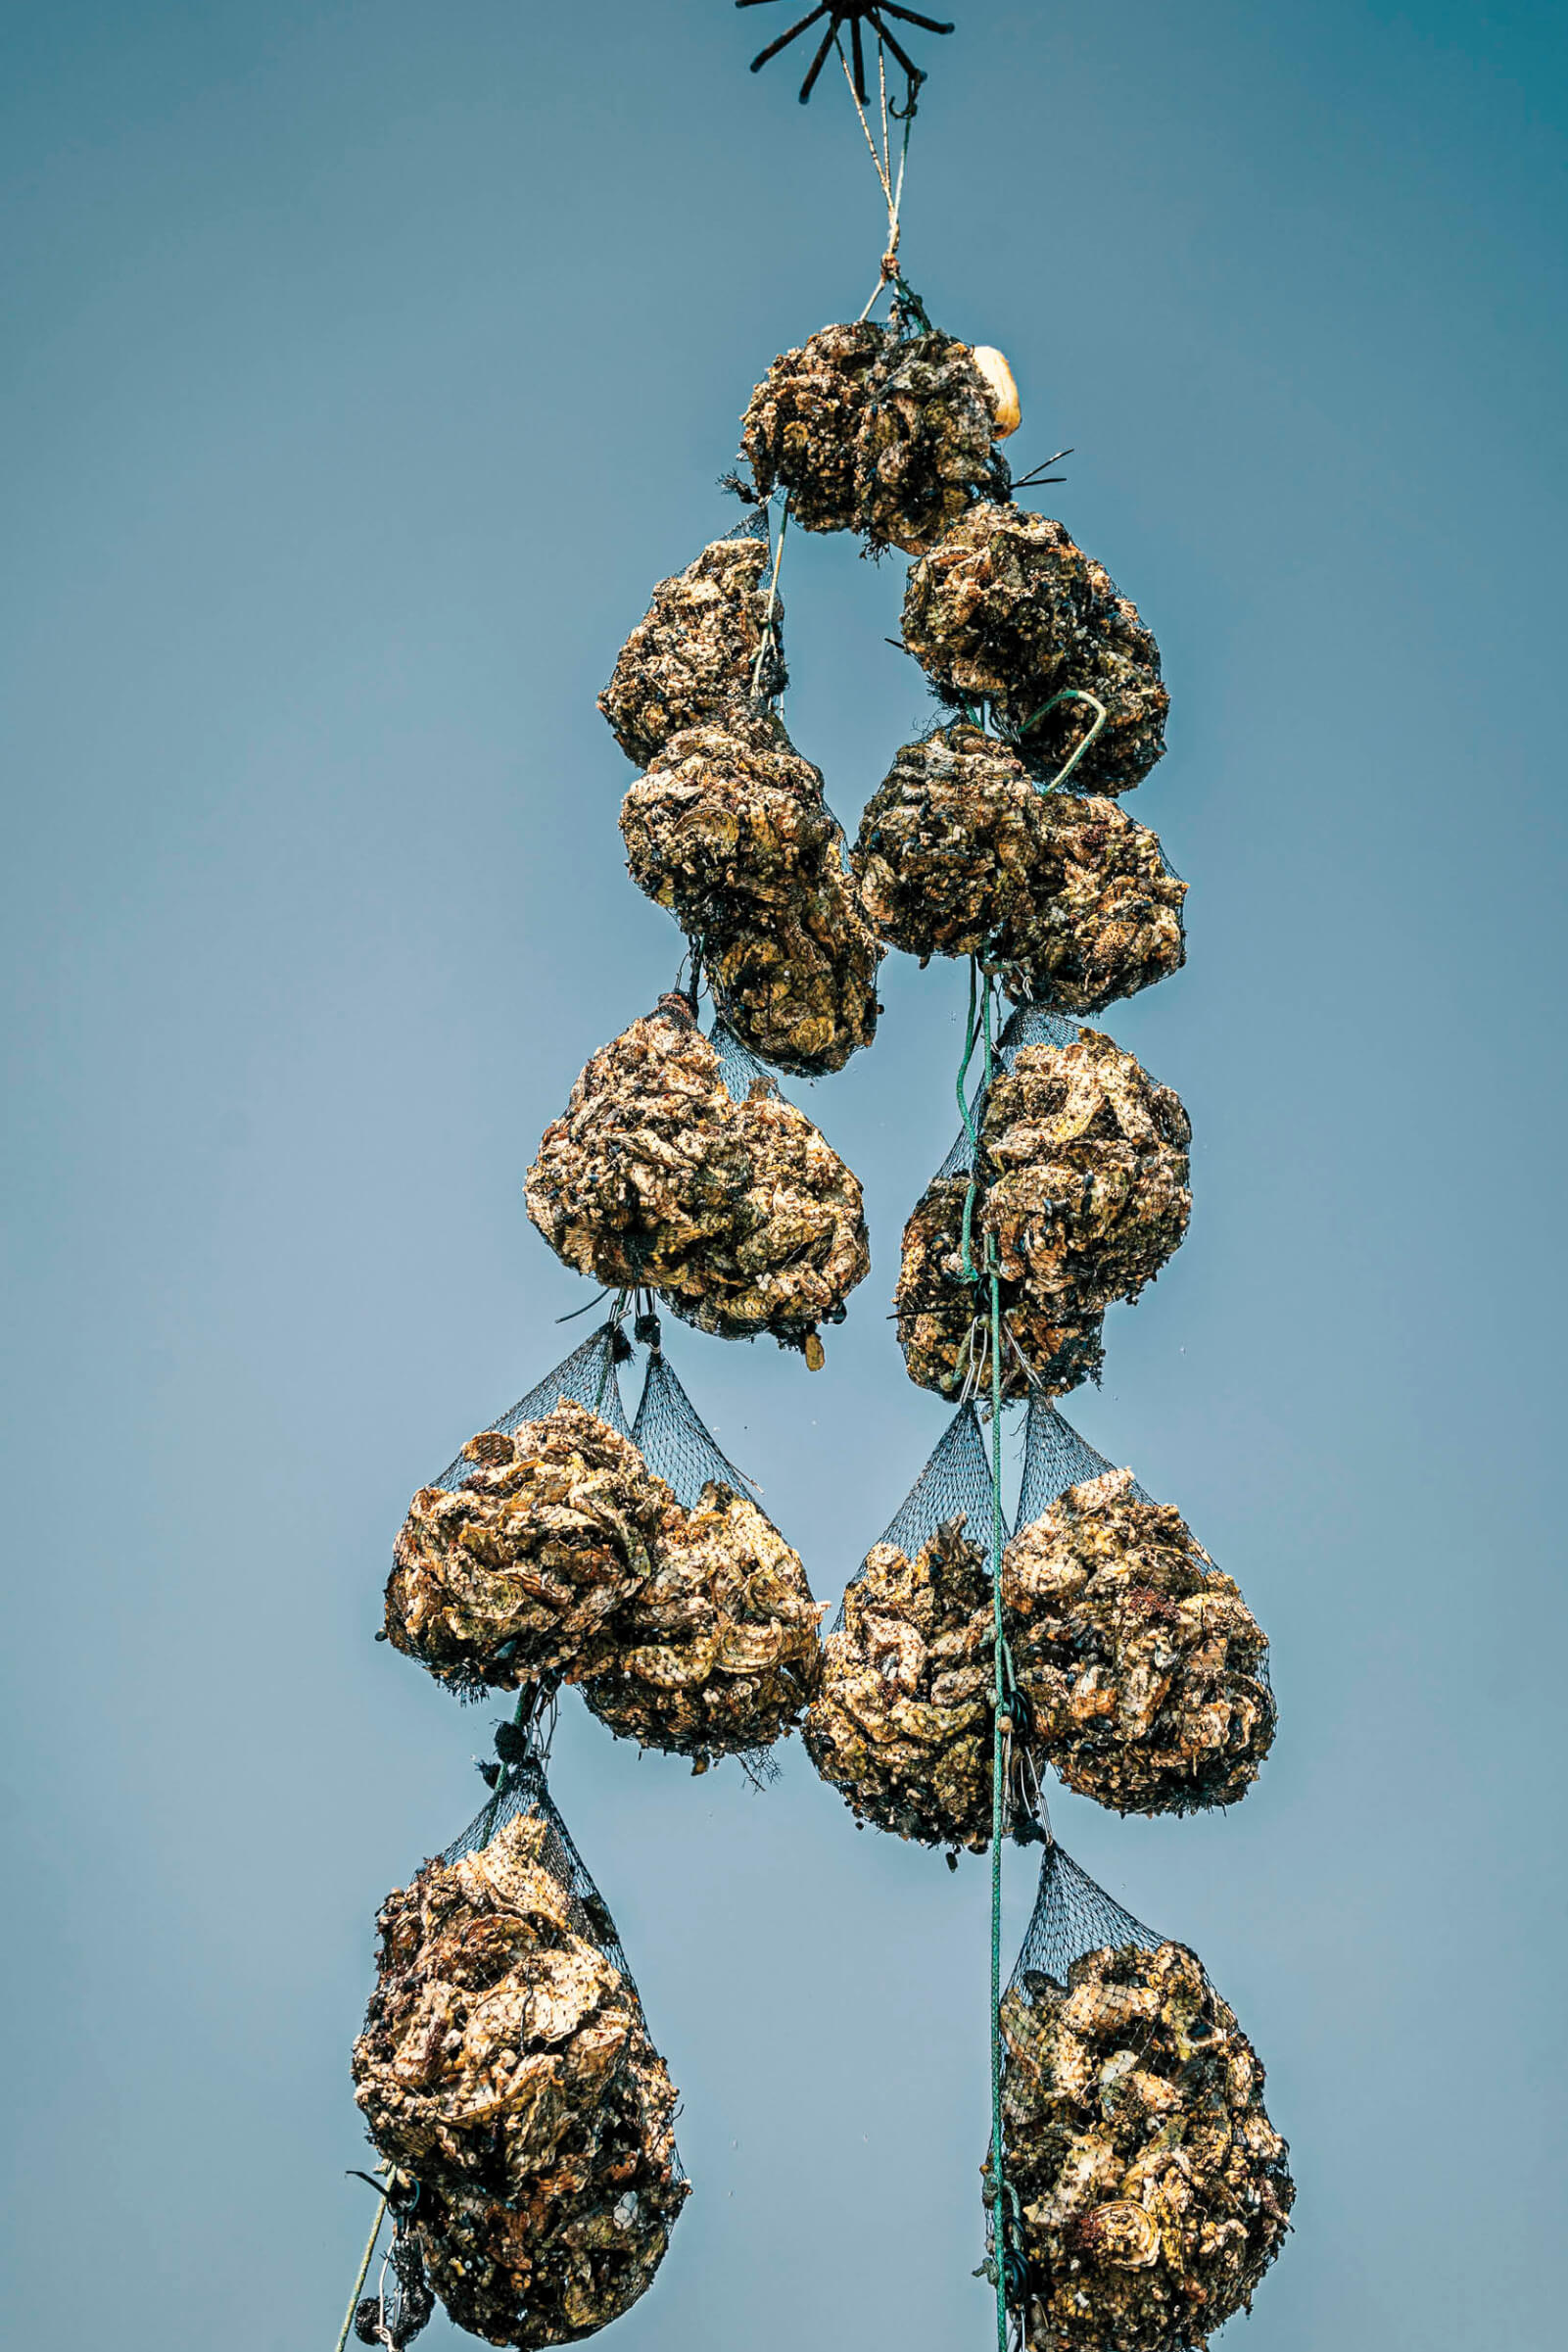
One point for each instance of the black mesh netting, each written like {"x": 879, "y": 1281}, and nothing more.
{"x": 1055, "y": 1458}
{"x": 588, "y": 1377}
{"x": 901, "y": 1722}
{"x": 523, "y": 1789}
{"x": 955, "y": 1484}
{"x": 1072, "y": 1917}
{"x": 738, "y": 1066}
{"x": 1030, "y": 1024}
{"x": 676, "y": 1443}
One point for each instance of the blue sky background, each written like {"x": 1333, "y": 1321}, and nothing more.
{"x": 363, "y": 366}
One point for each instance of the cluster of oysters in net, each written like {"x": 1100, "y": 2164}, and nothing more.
{"x": 1063, "y": 894}
{"x": 1154, "y": 2190}
{"x": 1144, "y": 1672}
{"x": 869, "y": 430}
{"x": 729, "y": 828}
{"x": 1081, "y": 1187}
{"x": 902, "y": 1720}
{"x": 506, "y": 2067}
{"x": 1007, "y": 610}
{"x": 738, "y": 1214}
{"x": 561, "y": 1557}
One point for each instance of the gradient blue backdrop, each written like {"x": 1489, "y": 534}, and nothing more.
{"x": 364, "y": 364}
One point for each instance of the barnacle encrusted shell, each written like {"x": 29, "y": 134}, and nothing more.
{"x": 503, "y": 1581}
{"x": 739, "y": 1215}
{"x": 870, "y": 432}
{"x": 901, "y": 1723}
{"x": 579, "y": 2253}
{"x": 945, "y": 1323}
{"x": 1007, "y": 608}
{"x": 801, "y": 424}
{"x": 717, "y": 1653}
{"x": 924, "y": 443}
{"x": 1086, "y": 1160}
{"x": 1066, "y": 897}
{"x": 1154, "y": 2189}
{"x": 694, "y": 655}
{"x": 1144, "y": 1669}
{"x": 497, "y": 2033}
{"x": 728, "y": 828}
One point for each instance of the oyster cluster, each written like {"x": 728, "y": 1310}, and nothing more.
{"x": 1144, "y": 1670}
{"x": 1155, "y": 2191}
{"x": 562, "y": 1558}
{"x": 1005, "y": 607}
{"x": 738, "y": 1214}
{"x": 901, "y": 1723}
{"x": 943, "y": 1321}
{"x": 504, "y": 1581}
{"x": 717, "y": 1653}
{"x": 1065, "y": 895}
{"x": 1086, "y": 1189}
{"x": 872, "y": 432}
{"x": 729, "y": 830}
{"x": 505, "y": 2065}
{"x": 694, "y": 655}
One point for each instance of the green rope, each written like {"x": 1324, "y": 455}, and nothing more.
{"x": 998, "y": 1789}
{"x": 364, "y": 2270}
{"x": 979, "y": 1033}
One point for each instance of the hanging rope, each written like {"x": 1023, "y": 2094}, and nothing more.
{"x": 979, "y": 1033}
{"x": 365, "y": 2271}
{"x": 773, "y": 601}
{"x": 889, "y": 181}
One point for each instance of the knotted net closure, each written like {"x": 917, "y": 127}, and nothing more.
{"x": 1069, "y": 900}
{"x": 506, "y": 2069}
{"x": 709, "y": 647}
{"x": 1146, "y": 2190}
{"x": 1146, "y": 1675}
{"x": 885, "y": 430}
{"x": 636, "y": 1566}
{"x": 738, "y": 1214}
{"x": 902, "y": 1722}
{"x": 729, "y": 830}
{"x": 1006, "y": 609}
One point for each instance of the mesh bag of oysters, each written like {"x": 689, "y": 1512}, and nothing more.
{"x": 736, "y": 1212}
{"x": 885, "y": 430}
{"x": 1061, "y": 895}
{"x": 1146, "y": 2191}
{"x": 1007, "y": 610}
{"x": 902, "y": 1722}
{"x": 1144, "y": 1673}
{"x": 1077, "y": 1182}
{"x": 506, "y": 2068}
{"x": 729, "y": 830}
{"x": 557, "y": 1549}
{"x": 710, "y": 644}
